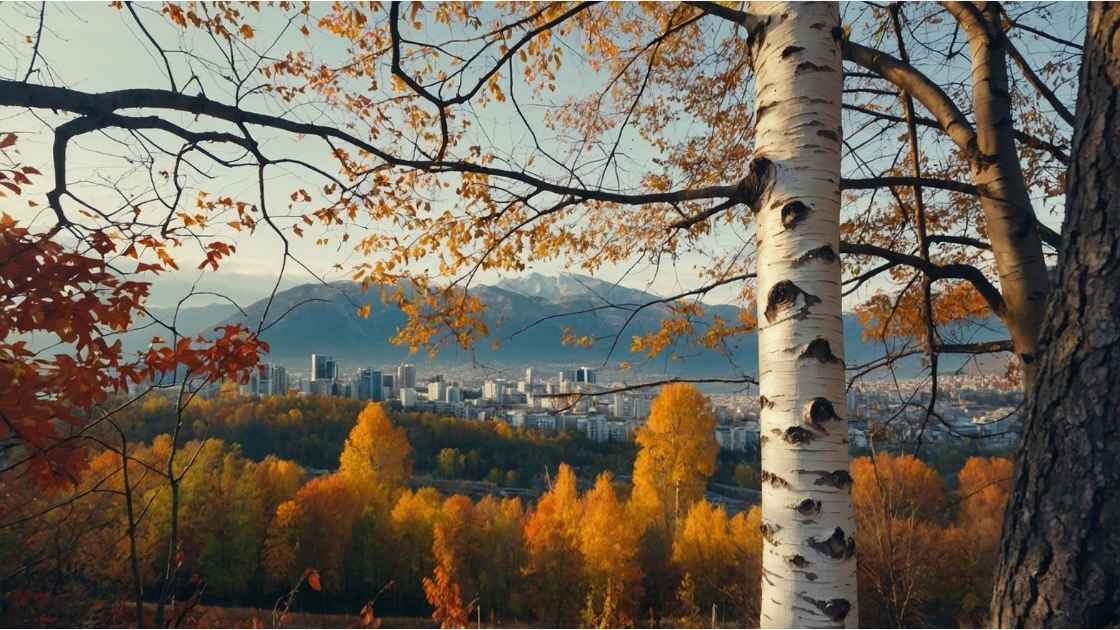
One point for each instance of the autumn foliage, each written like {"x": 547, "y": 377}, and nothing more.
{"x": 131, "y": 493}
{"x": 62, "y": 302}
{"x": 579, "y": 555}
{"x": 925, "y": 555}
{"x": 677, "y": 454}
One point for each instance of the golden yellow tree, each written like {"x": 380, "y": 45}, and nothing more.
{"x": 608, "y": 543}
{"x": 746, "y": 591}
{"x": 498, "y": 556}
{"x": 414, "y": 518}
{"x": 377, "y": 456}
{"x": 985, "y": 485}
{"x": 704, "y": 550}
{"x": 452, "y": 590}
{"x": 719, "y": 560}
{"x": 899, "y": 486}
{"x": 553, "y": 572}
{"x": 897, "y": 499}
{"x": 677, "y": 454}
{"x": 314, "y": 530}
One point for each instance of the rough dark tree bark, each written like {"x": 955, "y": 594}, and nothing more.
{"x": 1060, "y": 556}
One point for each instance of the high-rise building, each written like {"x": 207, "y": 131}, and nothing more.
{"x": 529, "y": 376}
{"x": 619, "y": 408}
{"x": 567, "y": 376}
{"x": 453, "y": 394}
{"x": 323, "y": 368}
{"x": 408, "y": 397}
{"x": 388, "y": 385}
{"x": 320, "y": 387}
{"x": 278, "y": 378}
{"x": 259, "y": 382}
{"x": 369, "y": 385}
{"x": 436, "y": 391}
{"x": 494, "y": 390}
{"x": 406, "y": 376}
{"x": 268, "y": 380}
{"x": 585, "y": 375}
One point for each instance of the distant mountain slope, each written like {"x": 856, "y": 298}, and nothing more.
{"x": 573, "y": 287}
{"x": 321, "y": 319}
{"x": 190, "y": 321}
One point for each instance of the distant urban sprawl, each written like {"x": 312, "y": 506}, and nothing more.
{"x": 981, "y": 409}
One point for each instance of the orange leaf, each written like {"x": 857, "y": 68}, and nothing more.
{"x": 313, "y": 580}
{"x": 247, "y": 31}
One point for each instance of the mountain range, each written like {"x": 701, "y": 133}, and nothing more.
{"x": 322, "y": 318}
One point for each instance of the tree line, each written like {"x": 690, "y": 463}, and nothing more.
{"x": 311, "y": 431}
{"x": 650, "y": 551}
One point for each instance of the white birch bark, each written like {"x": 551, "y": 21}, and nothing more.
{"x": 809, "y": 566}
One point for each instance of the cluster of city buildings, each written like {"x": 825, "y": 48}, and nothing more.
{"x": 572, "y": 400}
{"x": 982, "y": 409}
{"x": 986, "y": 410}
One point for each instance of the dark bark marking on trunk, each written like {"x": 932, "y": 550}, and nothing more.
{"x": 798, "y": 435}
{"x": 785, "y": 295}
{"x": 769, "y": 531}
{"x": 809, "y": 66}
{"x": 834, "y": 609}
{"x": 823, "y": 253}
{"x": 840, "y": 479}
{"x": 821, "y": 410}
{"x": 774, "y": 480}
{"x": 789, "y": 50}
{"x": 838, "y": 546}
{"x": 765, "y": 403}
{"x": 762, "y": 110}
{"x": 798, "y": 561}
{"x": 820, "y": 350}
{"x": 754, "y": 184}
{"x": 793, "y": 213}
{"x": 808, "y": 507}
{"x": 831, "y": 135}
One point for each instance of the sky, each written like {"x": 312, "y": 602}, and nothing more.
{"x": 93, "y": 47}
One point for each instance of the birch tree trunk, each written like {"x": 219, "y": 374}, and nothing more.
{"x": 1061, "y": 535}
{"x": 808, "y": 563}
